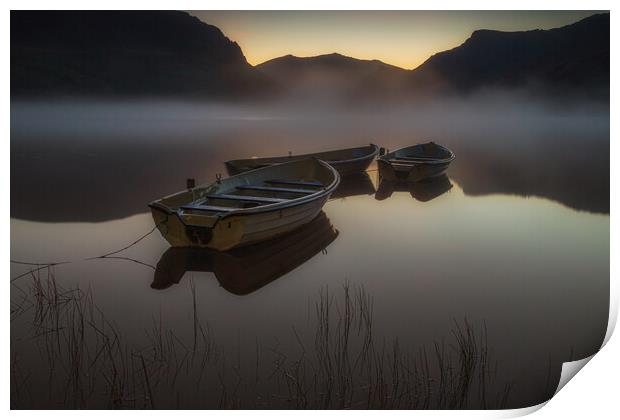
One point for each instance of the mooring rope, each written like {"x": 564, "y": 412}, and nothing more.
{"x": 37, "y": 263}
{"x": 108, "y": 255}
{"x": 125, "y": 247}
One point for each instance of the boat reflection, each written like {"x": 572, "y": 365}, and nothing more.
{"x": 244, "y": 270}
{"x": 422, "y": 191}
{"x": 353, "y": 185}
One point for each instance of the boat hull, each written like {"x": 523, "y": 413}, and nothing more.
{"x": 351, "y": 168}
{"x": 410, "y": 173}
{"x": 351, "y": 161}
{"x": 245, "y": 270}
{"x": 236, "y": 231}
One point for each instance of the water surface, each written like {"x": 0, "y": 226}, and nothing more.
{"x": 514, "y": 243}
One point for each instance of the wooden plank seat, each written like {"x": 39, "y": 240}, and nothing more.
{"x": 232, "y": 197}
{"x": 203, "y": 207}
{"x": 416, "y": 158}
{"x": 410, "y": 161}
{"x": 402, "y": 165}
{"x": 295, "y": 182}
{"x": 275, "y": 189}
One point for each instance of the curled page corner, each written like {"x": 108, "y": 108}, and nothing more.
{"x": 569, "y": 370}
{"x": 519, "y": 412}
{"x": 613, "y": 311}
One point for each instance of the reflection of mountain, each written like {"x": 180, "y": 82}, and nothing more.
{"x": 422, "y": 191}
{"x": 125, "y": 52}
{"x": 577, "y": 177}
{"x": 245, "y": 270}
{"x": 74, "y": 181}
{"x": 59, "y": 186}
{"x": 83, "y": 189}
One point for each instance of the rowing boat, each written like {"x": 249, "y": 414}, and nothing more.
{"x": 244, "y": 270}
{"x": 246, "y": 208}
{"x": 415, "y": 163}
{"x": 346, "y": 161}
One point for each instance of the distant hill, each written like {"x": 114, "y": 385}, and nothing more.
{"x": 575, "y": 56}
{"x": 126, "y": 53}
{"x": 334, "y": 76}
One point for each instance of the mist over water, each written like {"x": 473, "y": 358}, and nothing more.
{"x": 130, "y": 153}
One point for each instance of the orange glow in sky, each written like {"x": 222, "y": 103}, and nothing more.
{"x": 402, "y": 38}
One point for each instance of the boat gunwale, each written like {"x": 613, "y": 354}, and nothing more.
{"x": 371, "y": 155}
{"x": 259, "y": 209}
{"x": 293, "y": 158}
{"x": 439, "y": 161}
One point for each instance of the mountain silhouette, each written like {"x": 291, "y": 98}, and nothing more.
{"x": 575, "y": 56}
{"x": 573, "y": 59}
{"x": 171, "y": 53}
{"x": 334, "y": 76}
{"x": 125, "y": 52}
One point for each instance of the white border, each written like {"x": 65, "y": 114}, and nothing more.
{"x": 593, "y": 394}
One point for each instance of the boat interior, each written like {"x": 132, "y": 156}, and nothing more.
{"x": 275, "y": 185}
{"x": 271, "y": 191}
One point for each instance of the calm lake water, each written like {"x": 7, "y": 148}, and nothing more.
{"x": 511, "y": 249}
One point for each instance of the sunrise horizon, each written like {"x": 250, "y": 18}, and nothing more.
{"x": 404, "y": 39}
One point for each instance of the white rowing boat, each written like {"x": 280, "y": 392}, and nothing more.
{"x": 246, "y": 208}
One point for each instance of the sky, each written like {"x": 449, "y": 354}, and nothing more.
{"x": 401, "y": 38}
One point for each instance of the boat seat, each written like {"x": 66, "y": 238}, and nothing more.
{"x": 401, "y": 164}
{"x": 410, "y": 161}
{"x": 295, "y": 182}
{"x": 202, "y": 207}
{"x": 275, "y": 189}
{"x": 245, "y": 198}
{"x": 413, "y": 158}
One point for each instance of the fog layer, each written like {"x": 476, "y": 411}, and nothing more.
{"x": 105, "y": 160}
